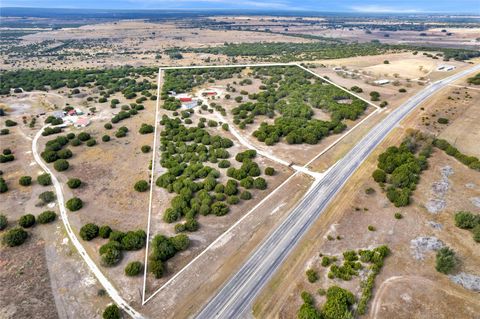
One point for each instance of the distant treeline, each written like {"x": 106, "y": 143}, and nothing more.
{"x": 324, "y": 49}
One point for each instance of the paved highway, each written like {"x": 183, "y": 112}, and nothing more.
{"x": 235, "y": 298}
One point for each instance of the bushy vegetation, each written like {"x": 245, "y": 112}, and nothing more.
{"x": 445, "y": 260}
{"x": 141, "y": 186}
{"x": 184, "y": 152}
{"x": 25, "y": 180}
{"x": 109, "y": 80}
{"x": 470, "y": 161}
{"x": 47, "y": 197}
{"x": 340, "y": 302}
{"x": 475, "y": 80}
{"x": 467, "y": 220}
{"x": 399, "y": 168}
{"x": 27, "y": 220}
{"x": 46, "y": 217}
{"x": 338, "y": 305}
{"x": 133, "y": 268}
{"x": 74, "y": 183}
{"x": 3, "y": 185}
{"x": 89, "y": 231}
{"x": 15, "y": 237}
{"x": 74, "y": 204}
{"x": 112, "y": 312}
{"x": 164, "y": 248}
{"x": 3, "y": 222}
{"x": 44, "y": 179}
{"x": 322, "y": 48}
{"x": 290, "y": 94}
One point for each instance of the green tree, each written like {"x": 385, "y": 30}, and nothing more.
{"x": 104, "y": 231}
{"x": 466, "y": 220}
{"x": 74, "y": 183}
{"x": 15, "y": 237}
{"x": 445, "y": 260}
{"x": 44, "y": 179}
{"x": 46, "y": 217}
{"x": 74, "y": 204}
{"x": 141, "y": 186}
{"x": 89, "y": 231}
{"x": 112, "y": 312}
{"x": 133, "y": 268}
{"x": 47, "y": 197}
{"x": 3, "y": 222}
{"x": 25, "y": 180}
{"x": 27, "y": 221}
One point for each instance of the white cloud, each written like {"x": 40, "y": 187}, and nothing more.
{"x": 382, "y": 9}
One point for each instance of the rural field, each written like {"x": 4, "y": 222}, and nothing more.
{"x": 217, "y": 163}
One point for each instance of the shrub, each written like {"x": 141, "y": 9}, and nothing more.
{"x": 134, "y": 240}
{"x": 74, "y": 183}
{"x": 133, "y": 268}
{"x": 146, "y": 129}
{"x": 104, "y": 231}
{"x": 191, "y": 225}
{"x": 398, "y": 216}
{"x": 25, "y": 180}
{"x": 116, "y": 235}
{"x": 260, "y": 183}
{"x": 75, "y": 142}
{"x": 141, "y": 186}
{"x": 111, "y": 312}
{"x": 246, "y": 195}
{"x": 180, "y": 242}
{"x": 220, "y": 208}
{"x": 3, "y": 222}
{"x": 476, "y": 233}
{"x": 46, "y": 217}
{"x": 156, "y": 267}
{"x": 15, "y": 237}
{"x": 442, "y": 120}
{"x": 111, "y": 257}
{"x": 4, "y": 131}
{"x": 445, "y": 260}
{"x": 105, "y": 138}
{"x": 84, "y": 136}
{"x": 6, "y": 158}
{"x": 3, "y": 185}
{"x": 371, "y": 228}
{"x": 89, "y": 231}
{"x": 108, "y": 126}
{"x": 402, "y": 90}
{"x": 369, "y": 191}
{"x": 379, "y": 176}
{"x": 146, "y": 148}
{"x": 65, "y": 153}
{"x": 311, "y": 275}
{"x": 27, "y": 221}
{"x": 224, "y": 164}
{"x": 466, "y": 220}
{"x": 91, "y": 142}
{"x": 232, "y": 200}
{"x": 269, "y": 171}
{"x": 61, "y": 165}
{"x": 74, "y": 204}
{"x": 10, "y": 123}
{"x": 47, "y": 197}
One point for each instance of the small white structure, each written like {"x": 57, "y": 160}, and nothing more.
{"x": 381, "y": 82}
{"x": 445, "y": 68}
{"x": 190, "y": 105}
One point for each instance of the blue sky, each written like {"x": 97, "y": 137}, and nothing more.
{"x": 374, "y": 6}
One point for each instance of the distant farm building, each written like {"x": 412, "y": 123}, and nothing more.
{"x": 185, "y": 99}
{"x": 81, "y": 122}
{"x": 381, "y": 82}
{"x": 445, "y": 68}
{"x": 209, "y": 93}
{"x": 189, "y": 105}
